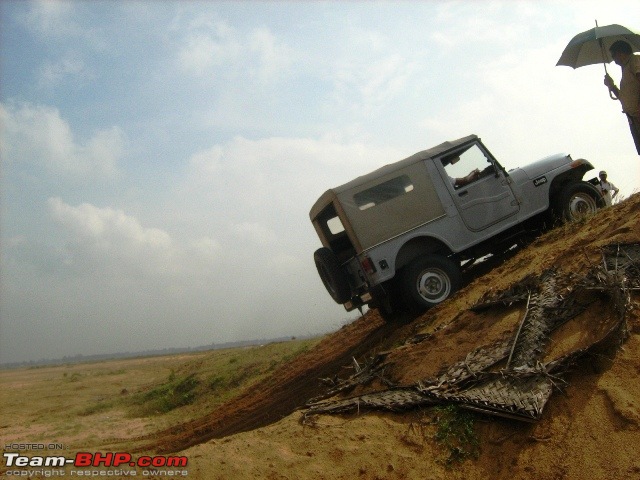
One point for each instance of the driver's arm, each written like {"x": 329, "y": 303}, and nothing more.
{"x": 462, "y": 181}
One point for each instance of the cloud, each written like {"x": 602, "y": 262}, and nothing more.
{"x": 214, "y": 48}
{"x": 206, "y": 248}
{"x": 108, "y": 239}
{"x": 253, "y": 197}
{"x": 457, "y": 30}
{"x": 131, "y": 286}
{"x": 254, "y": 232}
{"x": 113, "y": 228}
{"x": 56, "y": 73}
{"x": 257, "y": 179}
{"x": 51, "y": 18}
{"x": 62, "y": 20}
{"x": 376, "y": 70}
{"x": 38, "y": 135}
{"x": 273, "y": 59}
{"x": 363, "y": 87}
{"x": 204, "y": 50}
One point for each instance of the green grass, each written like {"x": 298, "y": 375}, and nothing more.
{"x": 215, "y": 378}
{"x": 97, "y": 407}
{"x": 455, "y": 432}
{"x": 174, "y": 393}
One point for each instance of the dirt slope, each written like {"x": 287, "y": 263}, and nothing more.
{"x": 288, "y": 388}
{"x": 589, "y": 429}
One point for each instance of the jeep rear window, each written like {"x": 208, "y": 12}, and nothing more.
{"x": 329, "y": 221}
{"x": 383, "y": 192}
{"x": 335, "y": 225}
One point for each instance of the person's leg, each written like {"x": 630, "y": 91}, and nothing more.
{"x": 634, "y": 125}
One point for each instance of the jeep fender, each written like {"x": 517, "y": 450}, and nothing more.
{"x": 417, "y": 247}
{"x": 573, "y": 175}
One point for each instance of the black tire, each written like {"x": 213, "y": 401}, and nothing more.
{"x": 576, "y": 201}
{"x": 429, "y": 280}
{"x": 390, "y": 305}
{"x": 334, "y": 278}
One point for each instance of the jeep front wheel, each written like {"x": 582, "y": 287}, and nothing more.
{"x": 577, "y": 201}
{"x": 429, "y": 280}
{"x": 331, "y": 273}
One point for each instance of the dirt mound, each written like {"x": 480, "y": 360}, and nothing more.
{"x": 588, "y": 430}
{"x": 290, "y": 387}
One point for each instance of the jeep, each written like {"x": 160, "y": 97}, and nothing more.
{"x": 399, "y": 237}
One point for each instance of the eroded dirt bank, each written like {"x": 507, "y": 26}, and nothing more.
{"x": 589, "y": 429}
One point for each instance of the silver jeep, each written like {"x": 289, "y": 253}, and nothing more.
{"x": 397, "y": 237}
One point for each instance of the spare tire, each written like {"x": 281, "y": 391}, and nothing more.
{"x": 334, "y": 278}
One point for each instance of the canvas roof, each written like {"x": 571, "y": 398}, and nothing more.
{"x": 330, "y": 194}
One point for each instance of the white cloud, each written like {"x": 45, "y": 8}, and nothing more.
{"x": 457, "y": 30}
{"x": 254, "y": 232}
{"x": 362, "y": 88}
{"x": 62, "y": 20}
{"x": 274, "y": 58}
{"x": 112, "y": 228}
{"x": 207, "y": 248}
{"x": 38, "y": 135}
{"x": 51, "y": 18}
{"x": 277, "y": 174}
{"x": 254, "y": 196}
{"x": 373, "y": 72}
{"x": 207, "y": 162}
{"x": 110, "y": 239}
{"x": 214, "y": 48}
{"x": 53, "y": 74}
{"x": 203, "y": 51}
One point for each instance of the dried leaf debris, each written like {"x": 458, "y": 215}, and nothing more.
{"x": 510, "y": 377}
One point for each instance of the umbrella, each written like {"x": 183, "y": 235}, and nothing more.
{"x": 592, "y": 46}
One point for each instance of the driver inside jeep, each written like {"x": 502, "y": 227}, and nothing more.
{"x": 462, "y": 181}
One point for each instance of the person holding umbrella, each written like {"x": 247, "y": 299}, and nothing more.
{"x": 629, "y": 91}
{"x": 590, "y": 47}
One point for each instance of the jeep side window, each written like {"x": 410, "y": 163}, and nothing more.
{"x": 467, "y": 166}
{"x": 383, "y": 192}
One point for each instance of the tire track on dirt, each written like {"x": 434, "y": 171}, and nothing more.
{"x": 284, "y": 391}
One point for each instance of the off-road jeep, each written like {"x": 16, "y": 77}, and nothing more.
{"x": 399, "y": 236}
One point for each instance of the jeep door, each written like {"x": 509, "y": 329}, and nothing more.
{"x": 483, "y": 198}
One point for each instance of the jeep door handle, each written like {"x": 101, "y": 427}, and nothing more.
{"x": 462, "y": 194}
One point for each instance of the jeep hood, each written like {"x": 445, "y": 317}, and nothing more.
{"x": 545, "y": 165}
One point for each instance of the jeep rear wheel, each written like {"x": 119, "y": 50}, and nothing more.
{"x": 577, "y": 201}
{"x": 331, "y": 273}
{"x": 429, "y": 280}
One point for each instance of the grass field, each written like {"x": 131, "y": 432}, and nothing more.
{"x": 85, "y": 406}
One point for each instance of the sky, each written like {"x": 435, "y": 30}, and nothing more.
{"x": 159, "y": 158}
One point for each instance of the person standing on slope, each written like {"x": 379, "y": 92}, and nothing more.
{"x": 607, "y": 189}
{"x": 629, "y": 91}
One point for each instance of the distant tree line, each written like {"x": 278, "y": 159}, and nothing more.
{"x": 79, "y": 358}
